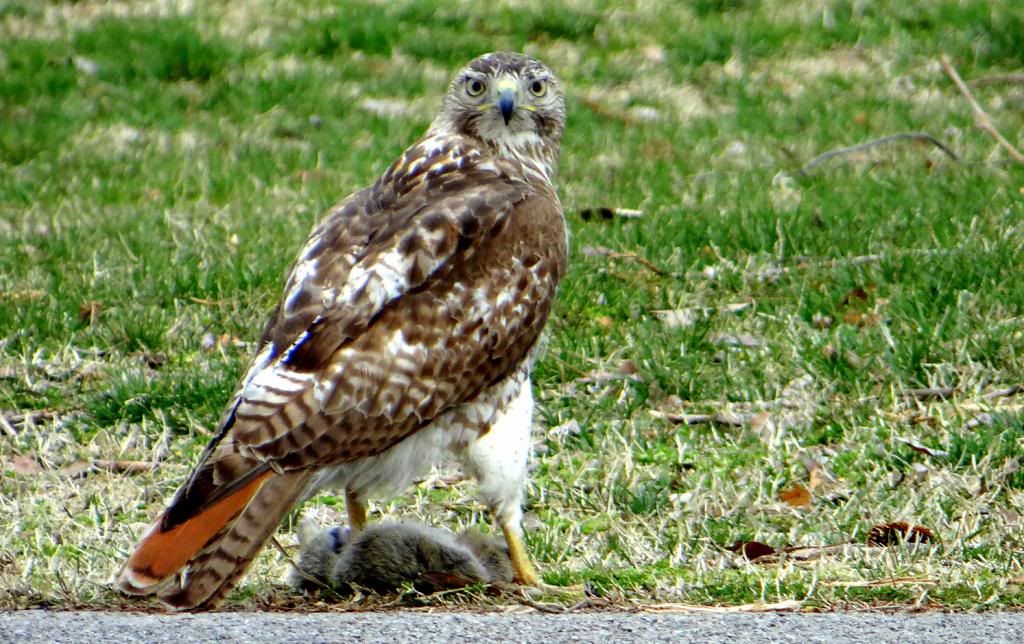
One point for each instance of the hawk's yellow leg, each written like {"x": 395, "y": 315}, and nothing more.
{"x": 525, "y": 572}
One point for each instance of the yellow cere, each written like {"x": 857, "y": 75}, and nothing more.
{"x": 507, "y": 83}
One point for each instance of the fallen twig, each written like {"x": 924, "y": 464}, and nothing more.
{"x": 981, "y": 117}
{"x": 544, "y": 607}
{"x": 123, "y": 467}
{"x": 11, "y": 420}
{"x": 881, "y": 583}
{"x": 929, "y": 393}
{"x": 787, "y": 605}
{"x": 802, "y": 553}
{"x": 643, "y": 261}
{"x": 7, "y": 428}
{"x": 853, "y": 149}
{"x": 922, "y": 449}
{"x": 601, "y": 251}
{"x": 1006, "y": 392}
{"x": 721, "y": 418}
{"x": 81, "y": 469}
{"x": 11, "y": 423}
{"x": 996, "y": 79}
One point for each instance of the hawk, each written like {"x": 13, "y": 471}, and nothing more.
{"x": 406, "y": 331}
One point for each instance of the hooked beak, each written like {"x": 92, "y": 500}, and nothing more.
{"x": 507, "y": 104}
{"x": 507, "y": 98}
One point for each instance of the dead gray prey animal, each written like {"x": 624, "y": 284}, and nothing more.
{"x": 385, "y": 556}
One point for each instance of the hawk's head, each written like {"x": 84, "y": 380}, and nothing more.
{"x": 510, "y": 102}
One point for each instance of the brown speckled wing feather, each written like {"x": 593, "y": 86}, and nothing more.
{"x": 408, "y": 299}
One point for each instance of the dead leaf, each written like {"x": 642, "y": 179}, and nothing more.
{"x": 228, "y": 340}
{"x": 751, "y": 550}
{"x": 25, "y": 465}
{"x": 89, "y": 312}
{"x": 857, "y": 293}
{"x": 859, "y": 319}
{"x": 818, "y": 478}
{"x": 797, "y": 496}
{"x": 897, "y": 532}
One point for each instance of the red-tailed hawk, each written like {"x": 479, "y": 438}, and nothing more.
{"x": 406, "y": 330}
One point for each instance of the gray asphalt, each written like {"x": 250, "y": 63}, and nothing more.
{"x": 111, "y": 628}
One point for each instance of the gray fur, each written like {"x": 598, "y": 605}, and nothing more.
{"x": 318, "y": 552}
{"x": 385, "y": 556}
{"x": 492, "y": 553}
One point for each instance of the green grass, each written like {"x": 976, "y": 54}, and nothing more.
{"x": 168, "y": 166}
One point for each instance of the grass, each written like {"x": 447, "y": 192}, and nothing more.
{"x": 159, "y": 169}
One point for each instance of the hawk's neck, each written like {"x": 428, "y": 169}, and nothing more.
{"x": 523, "y": 148}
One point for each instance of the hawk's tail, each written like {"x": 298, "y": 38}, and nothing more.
{"x": 210, "y": 551}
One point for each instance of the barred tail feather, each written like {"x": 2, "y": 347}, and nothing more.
{"x": 214, "y": 571}
{"x": 163, "y": 552}
{"x": 211, "y": 550}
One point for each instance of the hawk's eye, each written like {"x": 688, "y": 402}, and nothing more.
{"x": 538, "y": 88}
{"x": 474, "y": 87}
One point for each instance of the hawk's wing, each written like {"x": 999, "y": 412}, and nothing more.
{"x": 409, "y": 299}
